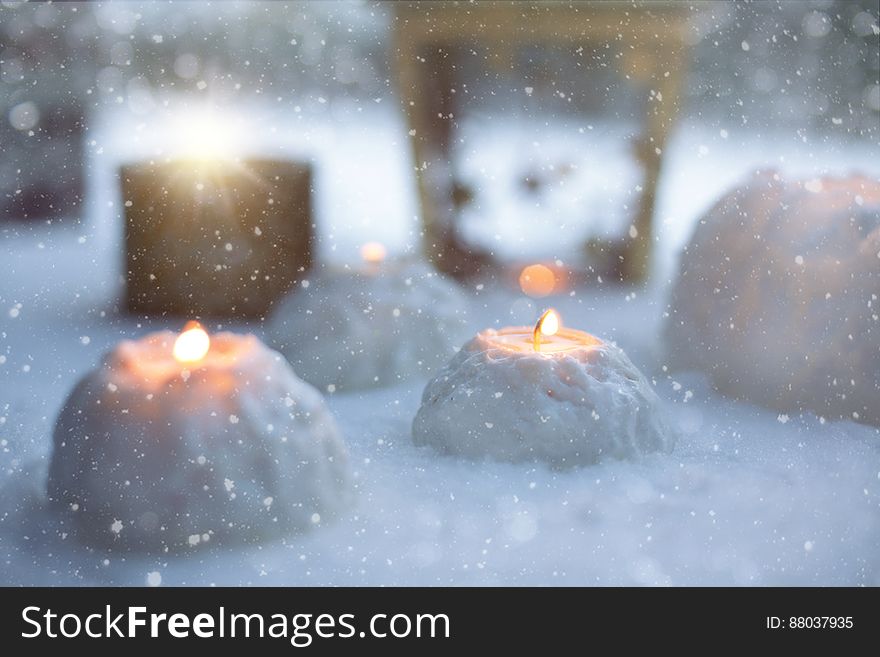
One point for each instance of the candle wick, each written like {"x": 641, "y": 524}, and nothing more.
{"x": 552, "y": 321}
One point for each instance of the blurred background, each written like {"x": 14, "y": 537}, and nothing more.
{"x": 542, "y": 148}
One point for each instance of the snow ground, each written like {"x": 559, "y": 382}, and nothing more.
{"x": 747, "y": 497}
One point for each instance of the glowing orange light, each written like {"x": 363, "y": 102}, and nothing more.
{"x": 192, "y": 344}
{"x": 537, "y": 280}
{"x": 548, "y": 324}
{"x": 373, "y": 253}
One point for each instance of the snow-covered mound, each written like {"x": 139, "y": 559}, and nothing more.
{"x": 566, "y": 409}
{"x": 229, "y": 453}
{"x": 779, "y": 295}
{"x": 364, "y": 328}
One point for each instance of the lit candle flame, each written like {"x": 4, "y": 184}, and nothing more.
{"x": 373, "y": 253}
{"x": 548, "y": 324}
{"x": 192, "y": 344}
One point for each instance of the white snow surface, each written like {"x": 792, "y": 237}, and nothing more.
{"x": 748, "y": 496}
{"x": 233, "y": 449}
{"x": 370, "y": 326}
{"x": 565, "y": 409}
{"x": 744, "y": 498}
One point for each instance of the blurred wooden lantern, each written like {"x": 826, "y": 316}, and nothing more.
{"x": 215, "y": 238}
{"x": 652, "y": 40}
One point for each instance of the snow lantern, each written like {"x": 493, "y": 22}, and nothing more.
{"x": 372, "y": 324}
{"x": 178, "y": 441}
{"x": 546, "y": 393}
{"x": 778, "y": 296}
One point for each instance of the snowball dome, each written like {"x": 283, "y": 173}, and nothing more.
{"x": 566, "y": 409}
{"x": 777, "y": 296}
{"x": 359, "y": 328}
{"x": 237, "y": 449}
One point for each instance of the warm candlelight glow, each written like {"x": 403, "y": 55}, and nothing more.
{"x": 192, "y": 344}
{"x": 548, "y": 324}
{"x": 537, "y": 280}
{"x": 373, "y": 253}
